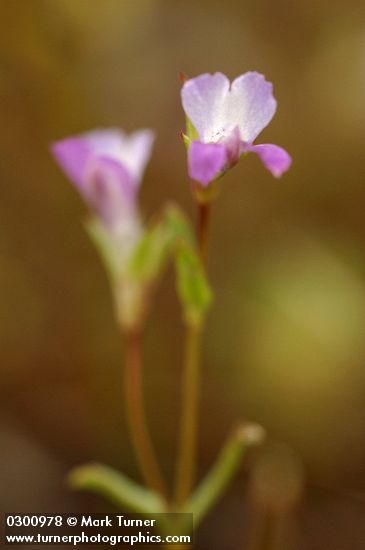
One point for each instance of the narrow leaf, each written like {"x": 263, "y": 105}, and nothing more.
{"x": 227, "y": 464}
{"x": 117, "y": 488}
{"x": 158, "y": 245}
{"x": 192, "y": 286}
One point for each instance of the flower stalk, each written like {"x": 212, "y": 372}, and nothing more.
{"x": 186, "y": 465}
{"x": 204, "y": 211}
{"x": 136, "y": 416}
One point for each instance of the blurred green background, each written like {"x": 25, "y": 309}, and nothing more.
{"x": 285, "y": 342}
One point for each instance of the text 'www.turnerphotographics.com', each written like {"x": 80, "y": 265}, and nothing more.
{"x": 111, "y": 529}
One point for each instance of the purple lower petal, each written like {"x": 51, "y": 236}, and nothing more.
{"x": 232, "y": 144}
{"x": 206, "y": 161}
{"x": 110, "y": 190}
{"x": 104, "y": 182}
{"x": 274, "y": 158}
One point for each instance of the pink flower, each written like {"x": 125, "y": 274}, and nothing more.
{"x": 106, "y": 167}
{"x": 227, "y": 119}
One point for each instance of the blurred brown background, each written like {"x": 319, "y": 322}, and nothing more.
{"x": 285, "y": 343}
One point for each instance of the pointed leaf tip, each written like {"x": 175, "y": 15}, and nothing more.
{"x": 228, "y": 462}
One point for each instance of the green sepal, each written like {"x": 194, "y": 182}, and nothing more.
{"x": 207, "y": 194}
{"x": 105, "y": 246}
{"x": 191, "y": 132}
{"x": 192, "y": 285}
{"x": 216, "y": 481}
{"x": 187, "y": 140}
{"x": 129, "y": 294}
{"x": 116, "y": 488}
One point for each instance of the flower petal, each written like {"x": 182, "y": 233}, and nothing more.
{"x": 233, "y": 145}
{"x": 274, "y": 158}
{"x": 133, "y": 150}
{"x": 250, "y": 105}
{"x": 72, "y": 155}
{"x": 206, "y": 161}
{"x": 203, "y": 99}
{"x": 110, "y": 191}
{"x": 75, "y": 153}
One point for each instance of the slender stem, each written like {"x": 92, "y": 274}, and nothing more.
{"x": 189, "y": 419}
{"x": 203, "y": 230}
{"x": 186, "y": 463}
{"x": 136, "y": 415}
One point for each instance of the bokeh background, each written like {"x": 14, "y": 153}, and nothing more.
{"x": 285, "y": 342}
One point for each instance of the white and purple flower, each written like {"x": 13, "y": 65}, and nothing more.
{"x": 227, "y": 118}
{"x": 106, "y": 167}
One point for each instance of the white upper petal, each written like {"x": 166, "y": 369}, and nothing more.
{"x": 250, "y": 105}
{"x": 203, "y": 101}
{"x": 133, "y": 150}
{"x": 215, "y": 108}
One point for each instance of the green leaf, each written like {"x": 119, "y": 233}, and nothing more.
{"x": 158, "y": 244}
{"x": 117, "y": 488}
{"x": 150, "y": 255}
{"x": 178, "y": 225}
{"x": 227, "y": 464}
{"x": 192, "y": 286}
{"x": 172, "y": 237}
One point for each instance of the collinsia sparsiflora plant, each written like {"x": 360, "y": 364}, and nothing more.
{"x": 222, "y": 122}
{"x": 107, "y": 166}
